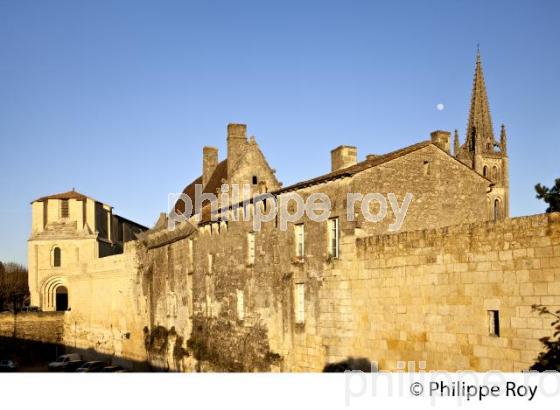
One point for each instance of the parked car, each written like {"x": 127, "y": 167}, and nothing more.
{"x": 61, "y": 361}
{"x": 8, "y": 365}
{"x": 112, "y": 369}
{"x": 73, "y": 365}
{"x": 91, "y": 367}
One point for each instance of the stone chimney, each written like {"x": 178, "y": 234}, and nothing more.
{"x": 343, "y": 157}
{"x": 209, "y": 163}
{"x": 442, "y": 139}
{"x": 236, "y": 142}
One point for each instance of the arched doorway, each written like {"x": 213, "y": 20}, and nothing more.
{"x": 61, "y": 301}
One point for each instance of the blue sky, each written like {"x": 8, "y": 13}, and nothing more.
{"x": 117, "y": 98}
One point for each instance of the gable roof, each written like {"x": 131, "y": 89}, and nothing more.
{"x": 350, "y": 171}
{"x": 354, "y": 169}
{"x": 73, "y": 194}
{"x": 64, "y": 195}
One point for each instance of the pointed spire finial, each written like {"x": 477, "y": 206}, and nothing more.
{"x": 480, "y": 134}
{"x": 503, "y": 140}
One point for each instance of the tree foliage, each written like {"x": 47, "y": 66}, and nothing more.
{"x": 550, "y": 358}
{"x": 14, "y": 290}
{"x": 550, "y": 195}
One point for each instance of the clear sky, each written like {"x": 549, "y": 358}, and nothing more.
{"x": 117, "y": 98}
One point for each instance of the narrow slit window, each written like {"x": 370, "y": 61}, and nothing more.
{"x": 333, "y": 237}
{"x": 56, "y": 257}
{"x": 494, "y": 323}
{"x": 190, "y": 254}
{"x": 299, "y": 232}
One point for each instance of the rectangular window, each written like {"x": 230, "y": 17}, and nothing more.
{"x": 250, "y": 248}
{"x": 333, "y": 237}
{"x": 299, "y": 232}
{"x": 240, "y": 305}
{"x": 300, "y": 303}
{"x": 494, "y": 323}
{"x": 190, "y": 255}
{"x": 64, "y": 211}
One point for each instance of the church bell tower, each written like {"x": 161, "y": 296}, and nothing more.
{"x": 481, "y": 151}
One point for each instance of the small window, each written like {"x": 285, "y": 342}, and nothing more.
{"x": 495, "y": 174}
{"x": 250, "y": 248}
{"x": 240, "y": 305}
{"x": 190, "y": 254}
{"x": 255, "y": 180}
{"x": 485, "y": 171}
{"x": 333, "y": 237}
{"x": 300, "y": 303}
{"x": 299, "y": 232}
{"x": 496, "y": 209}
{"x": 494, "y": 323}
{"x": 56, "y": 257}
{"x": 427, "y": 168}
{"x": 64, "y": 211}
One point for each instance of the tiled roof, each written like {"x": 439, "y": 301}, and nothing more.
{"x": 64, "y": 195}
{"x": 215, "y": 181}
{"x": 372, "y": 161}
{"x": 354, "y": 169}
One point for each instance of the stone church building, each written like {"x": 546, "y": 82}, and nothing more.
{"x": 452, "y": 289}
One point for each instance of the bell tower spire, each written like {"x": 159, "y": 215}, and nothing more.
{"x": 480, "y": 135}
{"x": 481, "y": 151}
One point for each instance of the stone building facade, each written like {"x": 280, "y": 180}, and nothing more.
{"x": 68, "y": 231}
{"x": 451, "y": 284}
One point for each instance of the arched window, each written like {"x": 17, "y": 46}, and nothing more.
{"x": 485, "y": 171}
{"x": 496, "y": 209}
{"x": 56, "y": 256}
{"x": 495, "y": 173}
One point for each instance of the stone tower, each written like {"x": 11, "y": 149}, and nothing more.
{"x": 70, "y": 230}
{"x": 481, "y": 151}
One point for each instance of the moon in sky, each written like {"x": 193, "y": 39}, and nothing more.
{"x": 440, "y": 107}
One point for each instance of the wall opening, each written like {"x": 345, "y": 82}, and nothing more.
{"x": 64, "y": 209}
{"x": 56, "y": 257}
{"x": 496, "y": 209}
{"x": 494, "y": 323}
{"x": 61, "y": 301}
